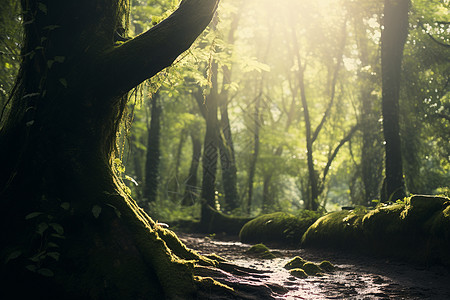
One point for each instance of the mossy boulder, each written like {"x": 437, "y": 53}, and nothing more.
{"x": 260, "y": 251}
{"x": 327, "y": 266}
{"x": 297, "y": 266}
{"x": 312, "y": 269}
{"x": 416, "y": 229}
{"x": 298, "y": 272}
{"x": 338, "y": 229}
{"x": 296, "y": 262}
{"x": 277, "y": 227}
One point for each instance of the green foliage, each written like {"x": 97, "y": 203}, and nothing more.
{"x": 262, "y": 65}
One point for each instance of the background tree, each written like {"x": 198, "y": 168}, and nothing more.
{"x": 393, "y": 38}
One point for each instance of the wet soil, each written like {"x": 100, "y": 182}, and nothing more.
{"x": 357, "y": 276}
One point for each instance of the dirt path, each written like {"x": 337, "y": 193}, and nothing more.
{"x": 356, "y": 277}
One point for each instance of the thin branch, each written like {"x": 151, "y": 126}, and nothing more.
{"x": 333, "y": 83}
{"x": 335, "y": 152}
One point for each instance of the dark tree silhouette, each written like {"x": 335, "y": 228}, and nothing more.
{"x": 70, "y": 231}
{"x": 393, "y": 38}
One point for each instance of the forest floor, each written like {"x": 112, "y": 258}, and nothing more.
{"x": 357, "y": 277}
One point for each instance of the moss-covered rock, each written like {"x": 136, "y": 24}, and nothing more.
{"x": 327, "y": 266}
{"x": 277, "y": 228}
{"x": 296, "y": 262}
{"x": 312, "y": 269}
{"x": 417, "y": 229}
{"x": 338, "y": 229}
{"x": 260, "y": 251}
{"x": 298, "y": 272}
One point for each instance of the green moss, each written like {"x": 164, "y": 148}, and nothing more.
{"x": 420, "y": 208}
{"x": 296, "y": 262}
{"x": 417, "y": 229}
{"x": 327, "y": 266}
{"x": 277, "y": 228}
{"x": 298, "y": 272}
{"x": 338, "y": 229}
{"x": 312, "y": 269}
{"x": 260, "y": 251}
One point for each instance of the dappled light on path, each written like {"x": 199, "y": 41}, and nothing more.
{"x": 356, "y": 277}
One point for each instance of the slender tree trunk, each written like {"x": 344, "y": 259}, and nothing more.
{"x": 174, "y": 182}
{"x": 210, "y": 151}
{"x": 255, "y": 152}
{"x": 393, "y": 39}
{"x": 153, "y": 152}
{"x": 227, "y": 154}
{"x": 191, "y": 190}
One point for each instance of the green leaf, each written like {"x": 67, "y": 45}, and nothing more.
{"x": 46, "y": 272}
{"x": 52, "y": 245}
{"x": 115, "y": 210}
{"x": 42, "y": 7}
{"x": 58, "y": 228}
{"x": 63, "y": 81}
{"x": 31, "y": 268}
{"x": 32, "y": 215}
{"x": 54, "y": 255}
{"x": 96, "y": 210}
{"x": 50, "y": 63}
{"x": 59, "y": 59}
{"x": 42, "y": 227}
{"x": 65, "y": 205}
{"x": 13, "y": 255}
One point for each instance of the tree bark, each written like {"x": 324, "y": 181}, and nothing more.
{"x": 153, "y": 152}
{"x": 210, "y": 151}
{"x": 75, "y": 234}
{"x": 191, "y": 189}
{"x": 393, "y": 38}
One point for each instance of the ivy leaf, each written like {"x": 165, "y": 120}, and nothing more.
{"x": 115, "y": 210}
{"x": 54, "y": 255}
{"x": 46, "y": 272}
{"x": 31, "y": 268}
{"x": 63, "y": 81}
{"x": 58, "y": 228}
{"x": 13, "y": 255}
{"x": 42, "y": 227}
{"x": 96, "y": 210}
{"x": 42, "y": 7}
{"x": 32, "y": 215}
{"x": 65, "y": 205}
{"x": 59, "y": 59}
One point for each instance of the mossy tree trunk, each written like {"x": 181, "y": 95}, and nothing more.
{"x": 393, "y": 38}
{"x": 70, "y": 232}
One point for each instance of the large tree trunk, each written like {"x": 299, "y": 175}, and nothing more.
{"x": 393, "y": 39}
{"x": 70, "y": 232}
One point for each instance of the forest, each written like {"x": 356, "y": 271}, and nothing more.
{"x": 298, "y": 124}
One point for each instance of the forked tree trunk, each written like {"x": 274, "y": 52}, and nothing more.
{"x": 69, "y": 231}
